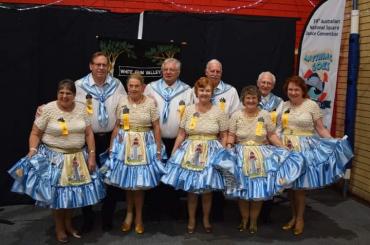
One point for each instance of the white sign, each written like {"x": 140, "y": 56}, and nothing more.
{"x": 319, "y": 56}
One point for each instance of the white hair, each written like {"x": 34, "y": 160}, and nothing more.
{"x": 267, "y": 73}
{"x": 213, "y": 61}
{"x": 172, "y": 60}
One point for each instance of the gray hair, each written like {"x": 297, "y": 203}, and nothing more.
{"x": 266, "y": 73}
{"x": 213, "y": 61}
{"x": 172, "y": 60}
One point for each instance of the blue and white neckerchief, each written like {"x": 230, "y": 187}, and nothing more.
{"x": 271, "y": 103}
{"x": 100, "y": 94}
{"x": 220, "y": 89}
{"x": 168, "y": 93}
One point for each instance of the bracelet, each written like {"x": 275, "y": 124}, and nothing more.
{"x": 33, "y": 149}
{"x": 158, "y": 152}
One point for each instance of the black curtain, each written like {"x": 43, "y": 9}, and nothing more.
{"x": 42, "y": 46}
{"x": 245, "y": 45}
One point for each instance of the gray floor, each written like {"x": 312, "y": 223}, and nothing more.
{"x": 330, "y": 219}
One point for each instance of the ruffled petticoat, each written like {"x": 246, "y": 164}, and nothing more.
{"x": 325, "y": 159}
{"x": 133, "y": 163}
{"x": 191, "y": 168}
{"x": 261, "y": 171}
{"x": 57, "y": 180}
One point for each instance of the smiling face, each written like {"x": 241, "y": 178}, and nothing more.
{"x": 214, "y": 72}
{"x": 170, "y": 72}
{"x": 205, "y": 94}
{"x": 99, "y": 68}
{"x": 65, "y": 98}
{"x": 134, "y": 88}
{"x": 295, "y": 93}
{"x": 265, "y": 84}
{"x": 250, "y": 102}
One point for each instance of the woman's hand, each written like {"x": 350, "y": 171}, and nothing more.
{"x": 159, "y": 155}
{"x": 91, "y": 162}
{"x": 32, "y": 152}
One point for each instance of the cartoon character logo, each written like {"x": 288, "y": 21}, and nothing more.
{"x": 316, "y": 88}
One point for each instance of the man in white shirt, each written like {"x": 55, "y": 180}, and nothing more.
{"x": 224, "y": 95}
{"x": 272, "y": 103}
{"x": 101, "y": 93}
{"x": 171, "y": 96}
{"x": 266, "y": 83}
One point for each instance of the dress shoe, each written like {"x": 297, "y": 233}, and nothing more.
{"x": 253, "y": 228}
{"x": 288, "y": 226}
{"x": 243, "y": 226}
{"x": 75, "y": 234}
{"x": 125, "y": 227}
{"x": 106, "y": 227}
{"x": 62, "y": 238}
{"x": 208, "y": 229}
{"x": 298, "y": 229}
{"x": 190, "y": 230}
{"x": 139, "y": 228}
{"x": 86, "y": 227}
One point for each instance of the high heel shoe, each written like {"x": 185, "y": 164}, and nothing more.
{"x": 298, "y": 229}
{"x": 62, "y": 238}
{"x": 125, "y": 227}
{"x": 139, "y": 228}
{"x": 208, "y": 229}
{"x": 253, "y": 228}
{"x": 243, "y": 226}
{"x": 288, "y": 226}
{"x": 75, "y": 234}
{"x": 190, "y": 230}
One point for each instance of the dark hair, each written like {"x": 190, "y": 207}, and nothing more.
{"x": 136, "y": 75}
{"x": 298, "y": 81}
{"x": 68, "y": 84}
{"x": 250, "y": 90}
{"x": 97, "y": 54}
{"x": 202, "y": 83}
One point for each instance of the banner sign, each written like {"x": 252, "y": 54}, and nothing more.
{"x": 319, "y": 54}
{"x": 130, "y": 56}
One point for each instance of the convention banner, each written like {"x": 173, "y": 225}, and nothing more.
{"x": 319, "y": 54}
{"x": 129, "y": 56}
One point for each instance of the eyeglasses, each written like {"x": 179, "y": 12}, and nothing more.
{"x": 100, "y": 65}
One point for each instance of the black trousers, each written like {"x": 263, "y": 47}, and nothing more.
{"x": 114, "y": 194}
{"x": 164, "y": 200}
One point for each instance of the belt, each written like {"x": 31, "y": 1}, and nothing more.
{"x": 138, "y": 129}
{"x": 297, "y": 132}
{"x": 64, "y": 151}
{"x": 250, "y": 143}
{"x": 203, "y": 137}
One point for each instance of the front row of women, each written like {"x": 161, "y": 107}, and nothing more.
{"x": 242, "y": 156}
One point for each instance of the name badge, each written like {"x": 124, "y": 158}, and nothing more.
{"x": 63, "y": 126}
{"x": 194, "y": 120}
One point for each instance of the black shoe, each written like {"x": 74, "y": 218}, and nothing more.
{"x": 266, "y": 219}
{"x": 87, "y": 227}
{"x": 106, "y": 227}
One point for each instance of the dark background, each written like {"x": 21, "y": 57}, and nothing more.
{"x": 42, "y": 46}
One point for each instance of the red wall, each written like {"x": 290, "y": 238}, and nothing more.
{"x": 279, "y": 8}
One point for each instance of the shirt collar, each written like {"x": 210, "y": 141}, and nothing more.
{"x": 107, "y": 81}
